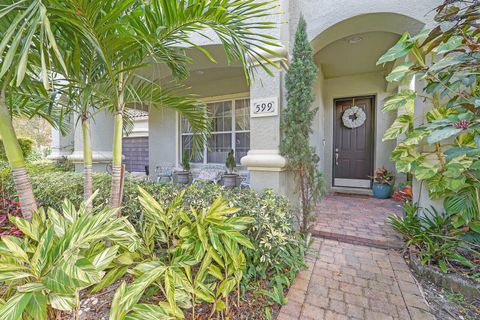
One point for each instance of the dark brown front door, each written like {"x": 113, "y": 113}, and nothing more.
{"x": 353, "y": 147}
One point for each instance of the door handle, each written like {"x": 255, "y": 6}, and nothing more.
{"x": 336, "y": 156}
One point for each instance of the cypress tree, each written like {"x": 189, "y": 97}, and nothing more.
{"x": 296, "y": 125}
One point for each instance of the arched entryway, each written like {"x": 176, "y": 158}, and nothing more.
{"x": 351, "y": 86}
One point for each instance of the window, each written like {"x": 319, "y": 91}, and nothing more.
{"x": 230, "y": 130}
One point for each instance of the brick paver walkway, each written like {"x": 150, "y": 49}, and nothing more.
{"x": 348, "y": 281}
{"x": 357, "y": 277}
{"x": 357, "y": 219}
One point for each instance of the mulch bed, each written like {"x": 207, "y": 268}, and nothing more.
{"x": 97, "y": 306}
{"x": 444, "y": 307}
{"x": 445, "y": 303}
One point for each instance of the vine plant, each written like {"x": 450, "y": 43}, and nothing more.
{"x": 443, "y": 151}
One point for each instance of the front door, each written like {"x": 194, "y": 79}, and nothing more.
{"x": 353, "y": 142}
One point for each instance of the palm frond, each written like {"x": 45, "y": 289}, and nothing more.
{"x": 145, "y": 94}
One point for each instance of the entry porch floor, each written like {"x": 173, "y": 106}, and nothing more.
{"x": 357, "y": 219}
{"x": 354, "y": 269}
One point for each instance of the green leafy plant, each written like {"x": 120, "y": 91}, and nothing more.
{"x": 434, "y": 238}
{"x": 278, "y": 252}
{"x": 186, "y": 161}
{"x": 297, "y": 124}
{"x": 26, "y": 144}
{"x": 383, "y": 176}
{"x": 199, "y": 259}
{"x": 230, "y": 163}
{"x": 60, "y": 254}
{"x": 444, "y": 150}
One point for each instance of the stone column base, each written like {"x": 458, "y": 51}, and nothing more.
{"x": 58, "y": 155}
{"x": 100, "y": 160}
{"x": 268, "y": 171}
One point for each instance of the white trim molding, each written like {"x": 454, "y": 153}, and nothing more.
{"x": 97, "y": 156}
{"x": 58, "y": 155}
{"x": 352, "y": 183}
{"x": 264, "y": 160}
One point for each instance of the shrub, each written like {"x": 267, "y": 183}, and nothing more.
{"x": 196, "y": 257}
{"x": 60, "y": 254}
{"x": 434, "y": 238}
{"x": 279, "y": 250}
{"x": 26, "y": 144}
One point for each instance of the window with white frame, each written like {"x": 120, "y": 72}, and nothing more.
{"x": 230, "y": 130}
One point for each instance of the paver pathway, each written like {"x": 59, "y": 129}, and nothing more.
{"x": 357, "y": 219}
{"x": 348, "y": 280}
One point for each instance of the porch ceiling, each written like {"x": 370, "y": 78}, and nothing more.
{"x": 355, "y": 54}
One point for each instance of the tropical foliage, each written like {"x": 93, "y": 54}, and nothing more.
{"x": 438, "y": 126}
{"x": 196, "y": 256}
{"x": 93, "y": 53}
{"x": 383, "y": 176}
{"x": 26, "y": 144}
{"x": 297, "y": 124}
{"x": 60, "y": 254}
{"x": 270, "y": 266}
{"x": 435, "y": 239}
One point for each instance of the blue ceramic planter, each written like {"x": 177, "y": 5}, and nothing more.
{"x": 381, "y": 190}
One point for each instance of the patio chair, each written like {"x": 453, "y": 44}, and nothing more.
{"x": 209, "y": 174}
{"x": 244, "y": 182}
{"x": 164, "y": 172}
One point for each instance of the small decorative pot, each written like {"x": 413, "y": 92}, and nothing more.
{"x": 381, "y": 190}
{"x": 182, "y": 177}
{"x": 230, "y": 180}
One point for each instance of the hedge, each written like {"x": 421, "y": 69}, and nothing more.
{"x": 26, "y": 144}
{"x": 279, "y": 249}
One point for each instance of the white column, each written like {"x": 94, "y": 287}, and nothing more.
{"x": 62, "y": 144}
{"x": 101, "y": 131}
{"x": 267, "y": 167}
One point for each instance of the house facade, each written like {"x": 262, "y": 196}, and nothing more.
{"x": 347, "y": 36}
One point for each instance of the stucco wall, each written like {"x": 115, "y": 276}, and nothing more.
{"x": 358, "y": 85}
{"x": 162, "y": 141}
{"x": 233, "y": 84}
{"x": 317, "y": 139}
{"x": 327, "y": 13}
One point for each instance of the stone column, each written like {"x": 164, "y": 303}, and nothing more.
{"x": 163, "y": 142}
{"x": 62, "y": 144}
{"x": 101, "y": 131}
{"x": 267, "y": 167}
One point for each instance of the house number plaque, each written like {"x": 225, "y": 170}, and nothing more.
{"x": 264, "y": 107}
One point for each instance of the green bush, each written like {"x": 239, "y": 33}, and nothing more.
{"x": 59, "y": 254}
{"x": 432, "y": 235}
{"x": 26, "y": 144}
{"x": 279, "y": 250}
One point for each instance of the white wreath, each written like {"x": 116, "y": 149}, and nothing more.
{"x": 358, "y": 116}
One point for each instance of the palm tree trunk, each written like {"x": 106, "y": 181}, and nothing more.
{"x": 87, "y": 161}
{"x": 17, "y": 162}
{"x": 115, "y": 195}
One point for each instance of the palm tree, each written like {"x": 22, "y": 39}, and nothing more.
{"x": 26, "y": 36}
{"x": 126, "y": 34}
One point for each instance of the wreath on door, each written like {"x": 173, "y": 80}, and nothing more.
{"x": 354, "y": 117}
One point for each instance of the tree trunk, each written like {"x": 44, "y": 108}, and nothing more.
{"x": 87, "y": 161}
{"x": 15, "y": 158}
{"x": 115, "y": 195}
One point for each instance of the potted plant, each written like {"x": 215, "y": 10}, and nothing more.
{"x": 183, "y": 177}
{"x": 382, "y": 183}
{"x": 403, "y": 194}
{"x": 230, "y": 178}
